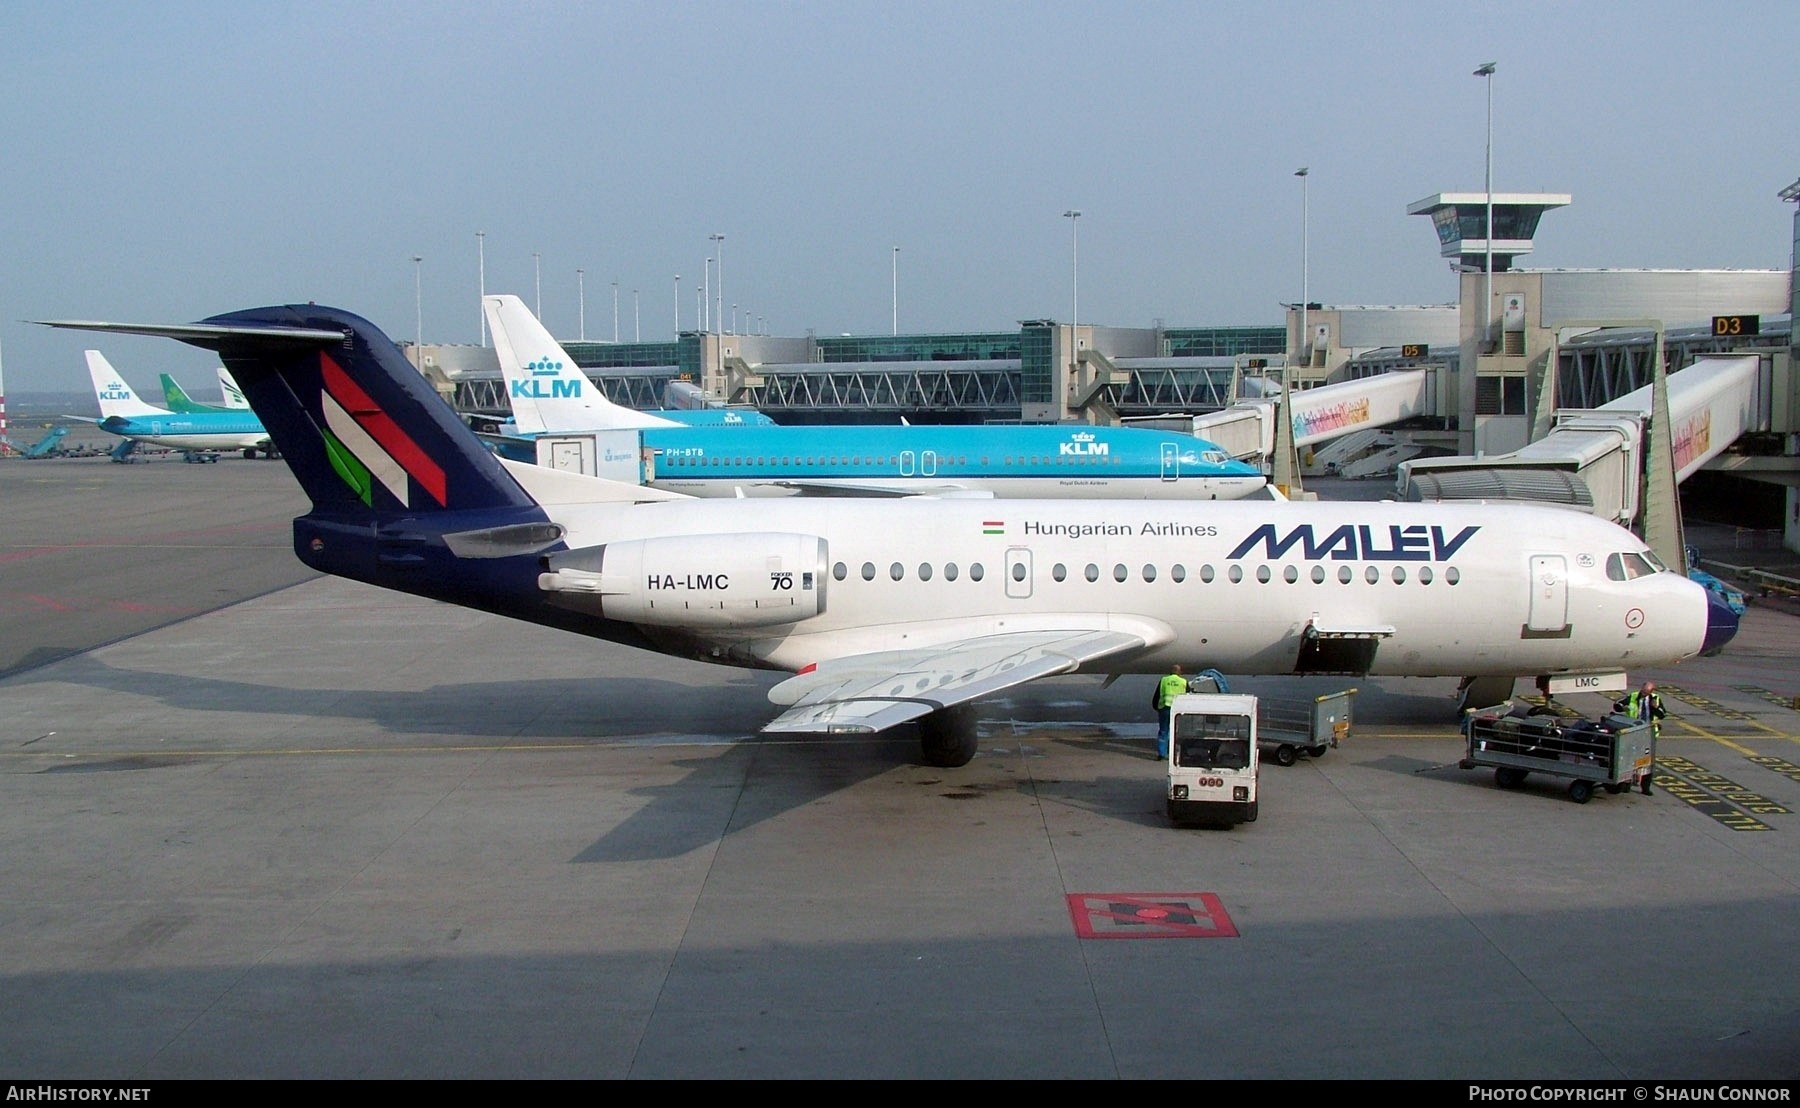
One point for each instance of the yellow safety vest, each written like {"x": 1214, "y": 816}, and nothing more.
{"x": 1173, "y": 685}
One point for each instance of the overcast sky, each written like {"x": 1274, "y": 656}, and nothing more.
{"x": 164, "y": 162}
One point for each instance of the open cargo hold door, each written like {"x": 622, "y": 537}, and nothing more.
{"x": 1339, "y": 650}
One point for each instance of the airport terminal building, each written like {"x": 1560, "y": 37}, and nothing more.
{"x": 1516, "y": 345}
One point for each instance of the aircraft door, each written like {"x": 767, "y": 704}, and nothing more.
{"x": 927, "y": 463}
{"x": 1171, "y": 461}
{"x": 1549, "y": 594}
{"x": 566, "y": 454}
{"x": 1018, "y": 572}
{"x": 906, "y": 463}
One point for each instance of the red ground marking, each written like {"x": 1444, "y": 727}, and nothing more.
{"x": 38, "y": 602}
{"x": 1150, "y": 916}
{"x": 185, "y": 538}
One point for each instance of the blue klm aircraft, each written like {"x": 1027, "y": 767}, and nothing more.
{"x": 200, "y": 436}
{"x": 551, "y": 398}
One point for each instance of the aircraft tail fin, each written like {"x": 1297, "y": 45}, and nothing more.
{"x": 234, "y": 396}
{"x": 547, "y": 390}
{"x": 176, "y": 398}
{"x": 366, "y": 435}
{"x": 114, "y": 395}
{"x": 404, "y": 495}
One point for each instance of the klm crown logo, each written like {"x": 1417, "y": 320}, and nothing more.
{"x": 546, "y": 382}
{"x": 1082, "y": 443}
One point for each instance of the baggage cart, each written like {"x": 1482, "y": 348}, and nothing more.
{"x": 1613, "y": 752}
{"x": 1286, "y": 729}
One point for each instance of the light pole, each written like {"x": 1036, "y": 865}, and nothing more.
{"x": 615, "y": 311}
{"x": 705, "y": 291}
{"x": 1486, "y": 71}
{"x": 537, "y": 275}
{"x": 581, "y": 294}
{"x": 678, "y": 305}
{"x": 1073, "y": 215}
{"x": 418, "y": 311}
{"x": 1305, "y": 335}
{"x": 719, "y": 264}
{"x": 896, "y": 290}
{"x": 481, "y": 268}
{"x": 637, "y": 324}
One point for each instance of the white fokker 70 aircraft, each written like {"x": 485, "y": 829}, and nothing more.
{"x": 885, "y": 611}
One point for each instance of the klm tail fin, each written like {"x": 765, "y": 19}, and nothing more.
{"x": 114, "y": 395}
{"x": 547, "y": 390}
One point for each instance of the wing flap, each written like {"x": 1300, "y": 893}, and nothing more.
{"x": 877, "y": 489}
{"x": 872, "y": 692}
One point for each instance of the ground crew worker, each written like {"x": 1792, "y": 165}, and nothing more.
{"x": 1646, "y": 705}
{"x": 1171, "y": 686}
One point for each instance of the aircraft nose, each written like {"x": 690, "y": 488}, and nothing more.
{"x": 1721, "y": 624}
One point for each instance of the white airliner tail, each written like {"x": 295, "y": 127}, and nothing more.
{"x": 234, "y": 396}
{"x": 114, "y": 395}
{"x": 547, "y": 390}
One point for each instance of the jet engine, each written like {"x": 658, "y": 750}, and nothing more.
{"x": 760, "y": 579}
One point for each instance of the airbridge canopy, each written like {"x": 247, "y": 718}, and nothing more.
{"x": 1247, "y": 428}
{"x": 1711, "y": 403}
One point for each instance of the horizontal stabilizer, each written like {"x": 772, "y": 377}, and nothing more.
{"x": 208, "y": 335}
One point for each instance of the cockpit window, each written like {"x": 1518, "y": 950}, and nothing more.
{"x": 1631, "y": 565}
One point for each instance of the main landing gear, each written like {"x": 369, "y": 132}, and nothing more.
{"x": 947, "y": 736}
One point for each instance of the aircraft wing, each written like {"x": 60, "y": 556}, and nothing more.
{"x": 872, "y": 692}
{"x": 829, "y": 488}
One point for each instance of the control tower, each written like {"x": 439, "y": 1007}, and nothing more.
{"x": 1460, "y": 219}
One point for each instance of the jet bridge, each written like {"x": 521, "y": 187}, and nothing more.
{"x": 1246, "y": 429}
{"x": 1592, "y": 458}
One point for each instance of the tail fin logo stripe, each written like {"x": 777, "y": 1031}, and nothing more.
{"x": 366, "y": 454}
{"x": 387, "y": 436}
{"x": 354, "y": 473}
